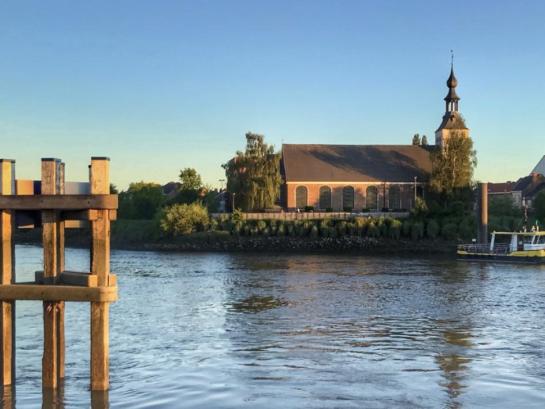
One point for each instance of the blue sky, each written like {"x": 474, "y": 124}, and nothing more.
{"x": 163, "y": 85}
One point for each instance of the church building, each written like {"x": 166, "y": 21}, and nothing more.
{"x": 370, "y": 177}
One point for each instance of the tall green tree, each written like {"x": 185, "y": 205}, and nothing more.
{"x": 253, "y": 176}
{"x": 416, "y": 139}
{"x": 190, "y": 179}
{"x": 191, "y": 186}
{"x": 141, "y": 201}
{"x": 424, "y": 141}
{"x": 453, "y": 164}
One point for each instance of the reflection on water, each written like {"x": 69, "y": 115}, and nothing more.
{"x": 244, "y": 331}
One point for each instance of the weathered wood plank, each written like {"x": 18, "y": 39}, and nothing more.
{"x": 45, "y": 292}
{"x": 50, "y": 361}
{"x": 7, "y": 276}
{"x": 47, "y": 201}
{"x": 69, "y": 278}
{"x": 100, "y": 266}
{"x": 60, "y": 189}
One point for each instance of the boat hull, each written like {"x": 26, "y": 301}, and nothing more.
{"x": 502, "y": 258}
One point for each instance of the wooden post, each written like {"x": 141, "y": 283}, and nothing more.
{"x": 60, "y": 268}
{"x": 483, "y": 213}
{"x": 7, "y": 261}
{"x": 100, "y": 320}
{"x": 50, "y": 361}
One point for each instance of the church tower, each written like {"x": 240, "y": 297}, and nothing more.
{"x": 452, "y": 122}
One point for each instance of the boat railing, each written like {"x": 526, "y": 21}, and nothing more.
{"x": 484, "y": 248}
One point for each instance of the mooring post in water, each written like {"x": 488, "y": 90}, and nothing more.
{"x": 53, "y": 205}
{"x": 7, "y": 264}
{"x": 483, "y": 213}
{"x": 100, "y": 266}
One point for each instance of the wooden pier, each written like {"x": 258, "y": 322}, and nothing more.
{"x": 54, "y": 205}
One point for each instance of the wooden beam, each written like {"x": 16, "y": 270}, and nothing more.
{"x": 73, "y": 278}
{"x": 7, "y": 276}
{"x": 48, "y": 201}
{"x": 45, "y": 292}
{"x": 100, "y": 266}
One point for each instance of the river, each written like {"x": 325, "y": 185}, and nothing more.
{"x": 299, "y": 331}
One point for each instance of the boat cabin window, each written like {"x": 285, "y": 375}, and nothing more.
{"x": 540, "y": 240}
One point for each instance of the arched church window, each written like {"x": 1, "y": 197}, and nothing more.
{"x": 348, "y": 198}
{"x": 301, "y": 197}
{"x": 395, "y": 197}
{"x": 371, "y": 195}
{"x": 325, "y": 197}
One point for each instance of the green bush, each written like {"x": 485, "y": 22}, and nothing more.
{"x": 314, "y": 231}
{"x": 291, "y": 230}
{"x": 467, "y": 229}
{"x": 449, "y": 231}
{"x": 394, "y": 230}
{"x": 361, "y": 225}
{"x": 432, "y": 229}
{"x": 281, "y": 230}
{"x": 329, "y": 209}
{"x": 308, "y": 208}
{"x": 332, "y": 232}
{"x": 261, "y": 225}
{"x": 373, "y": 230}
{"x": 347, "y": 209}
{"x": 406, "y": 228}
{"x": 341, "y": 228}
{"x": 417, "y": 230}
{"x": 180, "y": 219}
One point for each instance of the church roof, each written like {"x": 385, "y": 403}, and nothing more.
{"x": 452, "y": 120}
{"x": 540, "y": 167}
{"x": 355, "y": 163}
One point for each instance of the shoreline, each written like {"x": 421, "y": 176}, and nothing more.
{"x": 223, "y": 242}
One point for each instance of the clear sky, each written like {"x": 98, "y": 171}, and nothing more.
{"x": 162, "y": 85}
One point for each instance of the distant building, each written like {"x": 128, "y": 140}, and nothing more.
{"x": 540, "y": 167}
{"x": 522, "y": 192}
{"x": 345, "y": 177}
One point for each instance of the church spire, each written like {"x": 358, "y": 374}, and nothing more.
{"x": 451, "y": 100}
{"x": 452, "y": 119}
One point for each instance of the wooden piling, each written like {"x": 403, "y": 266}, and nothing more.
{"x": 483, "y": 213}
{"x": 50, "y": 230}
{"x": 100, "y": 266}
{"x": 7, "y": 260}
{"x": 54, "y": 285}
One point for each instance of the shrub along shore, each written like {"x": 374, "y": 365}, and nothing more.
{"x": 384, "y": 236}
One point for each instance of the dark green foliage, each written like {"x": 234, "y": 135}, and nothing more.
{"x": 503, "y": 206}
{"x": 539, "y": 207}
{"x": 467, "y": 229}
{"x": 314, "y": 232}
{"x": 329, "y": 209}
{"x": 347, "y": 209}
{"x": 432, "y": 229}
{"x": 141, "y": 201}
{"x": 449, "y": 231}
{"x": 394, "y": 230}
{"x": 341, "y": 228}
{"x": 281, "y": 231}
{"x": 417, "y": 230}
{"x": 308, "y": 208}
{"x": 261, "y": 225}
{"x": 406, "y": 228}
{"x": 373, "y": 230}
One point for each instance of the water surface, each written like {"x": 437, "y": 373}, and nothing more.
{"x": 292, "y": 331}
